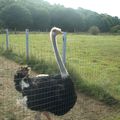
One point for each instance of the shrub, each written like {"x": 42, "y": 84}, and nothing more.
{"x": 115, "y": 29}
{"x": 94, "y": 30}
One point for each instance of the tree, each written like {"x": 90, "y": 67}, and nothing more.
{"x": 1, "y": 24}
{"x": 40, "y": 15}
{"x": 16, "y": 16}
{"x": 4, "y": 3}
{"x": 41, "y": 19}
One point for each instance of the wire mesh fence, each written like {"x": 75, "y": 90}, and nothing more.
{"x": 92, "y": 62}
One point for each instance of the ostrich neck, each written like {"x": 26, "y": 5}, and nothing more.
{"x": 63, "y": 70}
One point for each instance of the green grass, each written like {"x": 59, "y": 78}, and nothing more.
{"x": 93, "y": 61}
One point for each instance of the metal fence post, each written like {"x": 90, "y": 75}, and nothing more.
{"x": 27, "y": 44}
{"x": 64, "y": 48}
{"x": 7, "y": 39}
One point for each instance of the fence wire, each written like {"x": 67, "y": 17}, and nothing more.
{"x": 96, "y": 76}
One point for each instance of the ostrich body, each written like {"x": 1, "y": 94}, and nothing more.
{"x": 50, "y": 93}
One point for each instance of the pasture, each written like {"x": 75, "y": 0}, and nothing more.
{"x": 92, "y": 61}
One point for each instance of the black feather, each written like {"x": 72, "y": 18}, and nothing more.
{"x": 48, "y": 93}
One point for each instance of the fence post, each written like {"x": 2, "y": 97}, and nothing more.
{"x": 7, "y": 39}
{"x": 64, "y": 48}
{"x": 27, "y": 44}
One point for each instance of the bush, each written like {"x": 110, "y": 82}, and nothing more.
{"x": 94, "y": 30}
{"x": 115, "y": 29}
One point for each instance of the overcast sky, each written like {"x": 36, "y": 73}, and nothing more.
{"x": 111, "y": 7}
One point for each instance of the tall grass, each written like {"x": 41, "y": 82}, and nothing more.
{"x": 93, "y": 61}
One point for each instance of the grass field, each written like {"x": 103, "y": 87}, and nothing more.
{"x": 93, "y": 61}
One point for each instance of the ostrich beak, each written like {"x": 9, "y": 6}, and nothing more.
{"x": 60, "y": 31}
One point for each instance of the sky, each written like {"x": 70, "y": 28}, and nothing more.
{"x": 111, "y": 7}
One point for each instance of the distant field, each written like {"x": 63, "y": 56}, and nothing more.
{"x": 93, "y": 61}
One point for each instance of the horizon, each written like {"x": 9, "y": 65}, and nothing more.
{"x": 109, "y": 7}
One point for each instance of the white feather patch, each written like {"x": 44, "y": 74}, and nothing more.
{"x": 24, "y": 84}
{"x": 24, "y": 101}
{"x": 42, "y": 75}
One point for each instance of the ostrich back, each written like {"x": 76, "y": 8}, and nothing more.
{"x": 50, "y": 93}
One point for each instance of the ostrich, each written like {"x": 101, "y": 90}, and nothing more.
{"x": 47, "y": 93}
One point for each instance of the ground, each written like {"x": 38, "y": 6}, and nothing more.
{"x": 86, "y": 108}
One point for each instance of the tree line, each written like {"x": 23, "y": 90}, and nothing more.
{"x": 40, "y": 15}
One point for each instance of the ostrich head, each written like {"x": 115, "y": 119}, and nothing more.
{"x": 22, "y": 72}
{"x": 56, "y": 30}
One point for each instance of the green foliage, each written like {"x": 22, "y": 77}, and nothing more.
{"x": 16, "y": 16}
{"x": 1, "y": 24}
{"x": 41, "y": 19}
{"x": 115, "y": 29}
{"x": 94, "y": 30}
{"x": 4, "y": 3}
{"x": 40, "y": 15}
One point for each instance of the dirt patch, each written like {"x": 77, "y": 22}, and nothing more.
{"x": 85, "y": 108}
